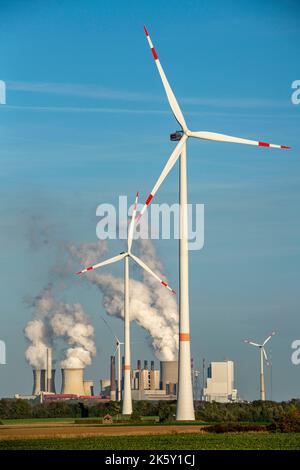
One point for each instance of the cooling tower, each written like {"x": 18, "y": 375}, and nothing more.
{"x": 105, "y": 387}
{"x": 168, "y": 373}
{"x": 51, "y": 384}
{"x": 72, "y": 381}
{"x": 43, "y": 380}
{"x": 36, "y": 381}
{"x": 88, "y": 386}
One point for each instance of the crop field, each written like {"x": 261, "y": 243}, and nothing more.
{"x": 175, "y": 441}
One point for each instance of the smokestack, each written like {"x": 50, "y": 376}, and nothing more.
{"x": 112, "y": 378}
{"x": 49, "y": 369}
{"x": 139, "y": 364}
{"x": 72, "y": 381}
{"x": 152, "y": 365}
{"x": 36, "y": 381}
{"x": 145, "y": 365}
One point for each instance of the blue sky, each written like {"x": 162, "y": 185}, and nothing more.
{"x": 86, "y": 119}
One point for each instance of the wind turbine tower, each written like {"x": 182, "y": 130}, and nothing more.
{"x": 262, "y": 355}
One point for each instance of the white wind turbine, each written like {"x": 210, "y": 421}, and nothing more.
{"x": 127, "y": 402}
{"x": 118, "y": 344}
{"x": 263, "y": 355}
{"x": 185, "y": 408}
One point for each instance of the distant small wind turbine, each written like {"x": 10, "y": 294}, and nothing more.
{"x": 117, "y": 351}
{"x": 127, "y": 401}
{"x": 263, "y": 355}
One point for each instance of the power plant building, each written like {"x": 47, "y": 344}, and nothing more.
{"x": 155, "y": 384}
{"x": 220, "y": 383}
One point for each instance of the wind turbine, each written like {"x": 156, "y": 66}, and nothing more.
{"x": 185, "y": 408}
{"x": 127, "y": 401}
{"x": 263, "y": 355}
{"x": 118, "y": 352}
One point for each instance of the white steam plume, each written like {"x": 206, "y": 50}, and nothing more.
{"x": 53, "y": 320}
{"x": 70, "y": 322}
{"x": 151, "y": 306}
{"x": 38, "y": 330}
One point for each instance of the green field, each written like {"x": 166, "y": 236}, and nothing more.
{"x": 37, "y": 420}
{"x": 240, "y": 441}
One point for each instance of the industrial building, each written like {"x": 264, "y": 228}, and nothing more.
{"x": 147, "y": 383}
{"x": 73, "y": 384}
{"x": 220, "y": 383}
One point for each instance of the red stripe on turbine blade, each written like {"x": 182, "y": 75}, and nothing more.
{"x": 137, "y": 194}
{"x": 263, "y": 144}
{"x": 285, "y": 147}
{"x": 146, "y": 31}
{"x": 164, "y": 283}
{"x": 149, "y": 199}
{"x": 89, "y": 268}
{"x": 79, "y": 272}
{"x": 154, "y": 53}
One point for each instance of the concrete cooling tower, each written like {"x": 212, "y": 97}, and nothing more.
{"x": 72, "y": 381}
{"x": 51, "y": 382}
{"x": 88, "y": 387}
{"x": 36, "y": 381}
{"x": 169, "y": 375}
{"x": 40, "y": 381}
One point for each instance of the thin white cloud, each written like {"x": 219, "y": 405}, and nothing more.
{"x": 74, "y": 109}
{"x": 98, "y": 92}
{"x": 72, "y": 89}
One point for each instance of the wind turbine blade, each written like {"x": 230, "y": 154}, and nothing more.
{"x": 132, "y": 222}
{"x": 146, "y": 268}
{"x": 110, "y": 329}
{"x": 269, "y": 337}
{"x": 103, "y": 263}
{"x": 251, "y": 342}
{"x": 169, "y": 165}
{"x": 170, "y": 95}
{"x": 266, "y": 357}
{"x": 237, "y": 140}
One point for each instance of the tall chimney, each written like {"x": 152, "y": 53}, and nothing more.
{"x": 145, "y": 365}
{"x": 152, "y": 365}
{"x": 112, "y": 378}
{"x": 139, "y": 364}
{"x": 49, "y": 369}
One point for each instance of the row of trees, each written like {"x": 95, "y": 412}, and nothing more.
{"x": 257, "y": 411}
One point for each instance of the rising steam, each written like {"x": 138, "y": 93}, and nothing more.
{"x": 53, "y": 320}
{"x": 151, "y": 306}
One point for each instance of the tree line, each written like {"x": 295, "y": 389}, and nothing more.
{"x": 256, "y": 411}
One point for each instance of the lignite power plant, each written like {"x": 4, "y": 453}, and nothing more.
{"x": 147, "y": 382}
